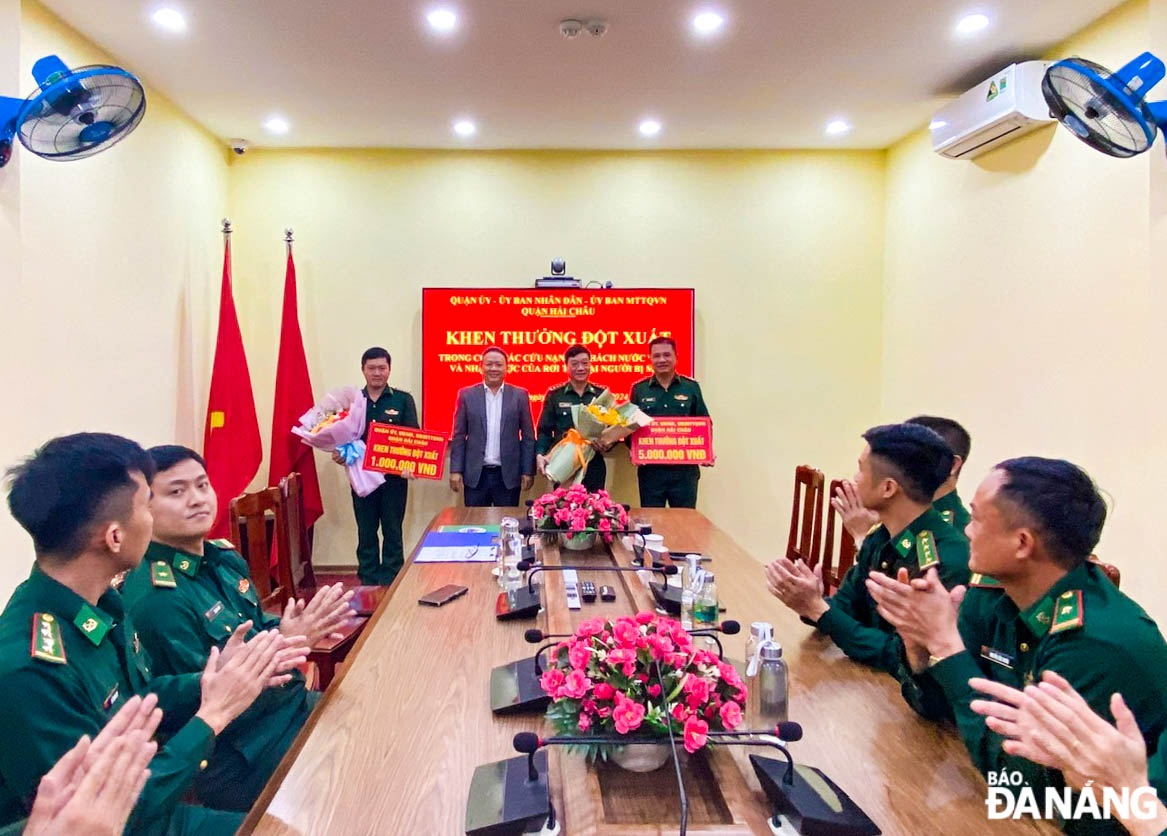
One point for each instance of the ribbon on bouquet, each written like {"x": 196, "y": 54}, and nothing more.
{"x": 353, "y": 452}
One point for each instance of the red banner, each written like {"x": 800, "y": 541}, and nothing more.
{"x": 534, "y": 328}
{"x": 674, "y": 441}
{"x": 393, "y": 449}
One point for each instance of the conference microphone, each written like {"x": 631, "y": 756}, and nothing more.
{"x": 534, "y": 569}
{"x": 728, "y": 627}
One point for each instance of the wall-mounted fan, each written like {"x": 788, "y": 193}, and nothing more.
{"x": 73, "y": 113}
{"x": 1106, "y": 110}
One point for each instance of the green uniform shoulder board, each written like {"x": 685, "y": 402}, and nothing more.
{"x": 926, "y": 552}
{"x": 983, "y": 581}
{"x": 223, "y": 543}
{"x": 1068, "y": 612}
{"x": 161, "y": 575}
{"x": 46, "y": 638}
{"x": 948, "y": 517}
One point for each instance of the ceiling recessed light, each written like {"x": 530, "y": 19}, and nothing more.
{"x": 442, "y": 20}
{"x": 276, "y": 125}
{"x": 464, "y": 127}
{"x": 937, "y": 124}
{"x": 706, "y": 23}
{"x": 971, "y": 24}
{"x": 649, "y": 127}
{"x": 838, "y": 127}
{"x": 172, "y": 20}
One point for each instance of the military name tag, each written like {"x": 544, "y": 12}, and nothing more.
{"x": 210, "y": 614}
{"x": 564, "y": 405}
{"x": 110, "y": 699}
{"x": 997, "y": 657}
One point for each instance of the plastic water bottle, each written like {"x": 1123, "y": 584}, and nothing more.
{"x": 508, "y": 536}
{"x": 773, "y": 685}
{"x": 760, "y": 632}
{"x": 705, "y": 603}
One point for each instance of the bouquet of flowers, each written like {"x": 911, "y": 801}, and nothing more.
{"x": 575, "y": 511}
{"x": 605, "y": 679}
{"x": 602, "y": 419}
{"x": 337, "y": 423}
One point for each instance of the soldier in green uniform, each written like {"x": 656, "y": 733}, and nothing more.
{"x": 189, "y": 595}
{"x": 667, "y": 393}
{"x": 384, "y": 508}
{"x": 555, "y": 417}
{"x": 899, "y": 470}
{"x": 947, "y": 500}
{"x": 70, "y": 656}
{"x": 1035, "y": 603}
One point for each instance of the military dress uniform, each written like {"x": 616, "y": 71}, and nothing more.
{"x": 555, "y": 420}
{"x": 185, "y": 604}
{"x": 1083, "y": 628}
{"x": 675, "y": 484}
{"x": 952, "y": 510}
{"x": 384, "y": 508}
{"x": 66, "y": 667}
{"x": 852, "y": 621}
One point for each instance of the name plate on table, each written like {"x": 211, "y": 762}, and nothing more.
{"x": 674, "y": 441}
{"x": 393, "y": 449}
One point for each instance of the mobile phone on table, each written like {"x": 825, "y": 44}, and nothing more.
{"x": 442, "y": 595}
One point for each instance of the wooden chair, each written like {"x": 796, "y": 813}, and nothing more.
{"x": 256, "y": 536}
{"x": 833, "y": 572}
{"x": 1108, "y": 569}
{"x": 292, "y": 551}
{"x": 806, "y": 516}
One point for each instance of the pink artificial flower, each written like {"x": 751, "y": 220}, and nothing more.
{"x": 588, "y": 706}
{"x": 704, "y": 657}
{"x": 591, "y": 627}
{"x": 680, "y": 712}
{"x": 575, "y": 685}
{"x": 731, "y": 715}
{"x": 661, "y": 646}
{"x": 627, "y": 715}
{"x": 698, "y": 687}
{"x": 605, "y": 524}
{"x": 579, "y": 654}
{"x": 584, "y": 722}
{"x": 653, "y": 691}
{"x": 624, "y": 658}
{"x": 645, "y": 617}
{"x": 603, "y": 691}
{"x": 729, "y": 674}
{"x": 696, "y": 734}
{"x": 626, "y": 632}
{"x": 551, "y": 681}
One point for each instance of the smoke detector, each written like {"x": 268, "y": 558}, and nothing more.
{"x": 597, "y": 28}
{"x": 570, "y": 28}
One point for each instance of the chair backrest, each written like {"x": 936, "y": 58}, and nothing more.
{"x": 258, "y": 536}
{"x": 833, "y": 570}
{"x": 1108, "y": 569}
{"x": 806, "y": 516}
{"x": 299, "y": 544}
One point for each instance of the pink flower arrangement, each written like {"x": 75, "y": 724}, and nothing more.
{"x": 575, "y": 510}
{"x": 640, "y": 676}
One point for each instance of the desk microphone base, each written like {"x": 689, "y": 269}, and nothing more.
{"x": 503, "y": 802}
{"x": 515, "y": 689}
{"x": 518, "y": 604}
{"x": 813, "y": 803}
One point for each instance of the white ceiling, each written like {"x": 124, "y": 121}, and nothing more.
{"x": 369, "y": 73}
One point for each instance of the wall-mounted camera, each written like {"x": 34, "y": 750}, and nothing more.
{"x": 239, "y": 146}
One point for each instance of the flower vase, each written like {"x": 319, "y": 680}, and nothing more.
{"x": 641, "y": 757}
{"x": 578, "y": 541}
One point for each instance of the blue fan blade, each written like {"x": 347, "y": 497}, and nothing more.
{"x": 48, "y": 70}
{"x": 1141, "y": 74}
{"x": 9, "y": 107}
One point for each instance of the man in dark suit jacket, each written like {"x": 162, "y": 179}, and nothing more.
{"x": 492, "y": 451}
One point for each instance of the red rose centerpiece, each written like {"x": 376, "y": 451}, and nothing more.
{"x": 579, "y": 516}
{"x": 639, "y": 676}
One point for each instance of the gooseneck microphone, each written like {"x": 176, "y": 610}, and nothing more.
{"x": 728, "y": 627}
{"x": 534, "y": 569}
{"x": 785, "y": 732}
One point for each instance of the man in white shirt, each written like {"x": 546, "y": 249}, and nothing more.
{"x": 492, "y": 449}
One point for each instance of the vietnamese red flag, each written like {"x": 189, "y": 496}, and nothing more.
{"x": 231, "y": 442}
{"x": 293, "y": 398}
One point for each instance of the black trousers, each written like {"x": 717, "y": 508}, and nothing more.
{"x": 379, "y": 562}
{"x": 490, "y": 491}
{"x": 675, "y": 484}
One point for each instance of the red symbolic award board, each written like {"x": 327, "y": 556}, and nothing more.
{"x": 670, "y": 440}
{"x": 534, "y": 328}
{"x": 393, "y": 449}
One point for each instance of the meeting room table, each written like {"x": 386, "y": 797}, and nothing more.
{"x": 395, "y": 741}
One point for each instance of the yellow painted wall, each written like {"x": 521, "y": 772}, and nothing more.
{"x": 114, "y": 251}
{"x": 784, "y": 250}
{"x": 1020, "y": 298}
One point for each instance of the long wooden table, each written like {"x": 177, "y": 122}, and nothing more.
{"x": 394, "y": 742}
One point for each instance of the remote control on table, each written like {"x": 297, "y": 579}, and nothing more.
{"x": 607, "y": 593}
{"x": 571, "y": 586}
{"x": 587, "y": 591}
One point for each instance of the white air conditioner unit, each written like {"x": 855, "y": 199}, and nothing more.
{"x": 997, "y": 111}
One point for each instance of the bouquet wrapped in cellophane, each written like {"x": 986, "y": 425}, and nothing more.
{"x": 602, "y": 420}
{"x": 337, "y": 423}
